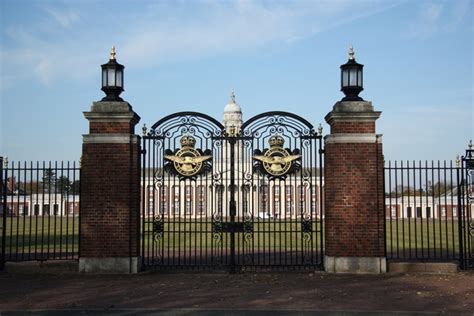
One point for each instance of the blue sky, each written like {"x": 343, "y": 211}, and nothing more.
{"x": 276, "y": 55}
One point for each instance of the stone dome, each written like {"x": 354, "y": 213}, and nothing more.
{"x": 232, "y": 107}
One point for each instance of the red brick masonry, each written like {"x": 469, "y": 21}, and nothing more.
{"x": 110, "y": 200}
{"x": 354, "y": 200}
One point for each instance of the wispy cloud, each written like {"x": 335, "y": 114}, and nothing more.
{"x": 65, "y": 17}
{"x": 168, "y": 32}
{"x": 434, "y": 17}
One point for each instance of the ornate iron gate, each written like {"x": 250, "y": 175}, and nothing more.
{"x": 466, "y": 216}
{"x": 234, "y": 197}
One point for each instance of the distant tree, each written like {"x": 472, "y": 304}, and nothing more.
{"x": 75, "y": 187}
{"x": 401, "y": 190}
{"x": 439, "y": 188}
{"x": 49, "y": 180}
{"x": 32, "y": 187}
{"x": 63, "y": 185}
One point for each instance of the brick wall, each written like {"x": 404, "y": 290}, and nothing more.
{"x": 354, "y": 200}
{"x": 110, "y": 200}
{"x": 352, "y": 127}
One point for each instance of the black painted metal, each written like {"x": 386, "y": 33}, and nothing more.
{"x": 4, "y": 215}
{"x": 466, "y": 220}
{"x": 428, "y": 211}
{"x": 40, "y": 211}
{"x": 232, "y": 216}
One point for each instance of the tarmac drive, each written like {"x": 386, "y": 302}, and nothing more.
{"x": 277, "y": 294}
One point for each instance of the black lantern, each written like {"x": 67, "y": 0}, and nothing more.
{"x": 351, "y": 78}
{"x": 112, "y": 79}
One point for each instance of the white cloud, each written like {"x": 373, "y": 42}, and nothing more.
{"x": 436, "y": 17}
{"x": 64, "y": 17}
{"x": 168, "y": 32}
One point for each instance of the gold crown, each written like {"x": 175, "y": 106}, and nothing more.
{"x": 187, "y": 141}
{"x": 276, "y": 141}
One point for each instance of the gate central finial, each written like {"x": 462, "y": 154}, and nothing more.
{"x": 232, "y": 96}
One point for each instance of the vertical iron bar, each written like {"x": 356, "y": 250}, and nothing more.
{"x": 3, "y": 194}
{"x": 460, "y": 219}
{"x": 232, "y": 204}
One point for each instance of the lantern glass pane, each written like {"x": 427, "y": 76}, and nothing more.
{"x": 353, "y": 77}
{"x": 110, "y": 77}
{"x": 345, "y": 78}
{"x": 104, "y": 78}
{"x": 359, "y": 77}
{"x": 119, "y": 78}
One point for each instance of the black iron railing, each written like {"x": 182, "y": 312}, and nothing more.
{"x": 40, "y": 210}
{"x": 424, "y": 210}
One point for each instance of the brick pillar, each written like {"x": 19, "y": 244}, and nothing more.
{"x": 354, "y": 197}
{"x": 110, "y": 190}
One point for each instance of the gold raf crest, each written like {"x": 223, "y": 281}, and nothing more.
{"x": 276, "y": 161}
{"x": 188, "y": 161}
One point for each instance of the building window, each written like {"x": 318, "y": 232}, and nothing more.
{"x": 418, "y": 211}
{"x": 276, "y": 192}
{"x": 264, "y": 196}
{"x": 188, "y": 200}
{"x": 37, "y": 209}
{"x": 302, "y": 198}
{"x": 46, "y": 209}
{"x": 176, "y": 200}
{"x": 428, "y": 212}
{"x": 56, "y": 209}
{"x": 164, "y": 200}
{"x": 288, "y": 199}
{"x": 455, "y": 212}
{"x": 393, "y": 211}
{"x": 409, "y": 211}
{"x": 151, "y": 200}
{"x": 200, "y": 194}
{"x": 443, "y": 211}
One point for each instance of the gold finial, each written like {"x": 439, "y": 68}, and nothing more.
{"x": 5, "y": 162}
{"x": 320, "y": 129}
{"x": 232, "y": 97}
{"x": 232, "y": 130}
{"x": 470, "y": 144}
{"x": 112, "y": 53}
{"x": 458, "y": 161}
{"x": 144, "y": 129}
{"x": 351, "y": 53}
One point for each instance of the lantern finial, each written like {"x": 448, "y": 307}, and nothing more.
{"x": 351, "y": 53}
{"x": 232, "y": 96}
{"x": 112, "y": 53}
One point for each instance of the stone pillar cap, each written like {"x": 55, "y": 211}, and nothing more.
{"x": 353, "y": 111}
{"x": 353, "y": 106}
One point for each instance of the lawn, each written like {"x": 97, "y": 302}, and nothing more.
{"x": 32, "y": 237}
{"x": 422, "y": 238}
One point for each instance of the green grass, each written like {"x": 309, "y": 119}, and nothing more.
{"x": 42, "y": 234}
{"x": 266, "y": 234}
{"x": 430, "y": 235}
{"x": 55, "y": 234}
